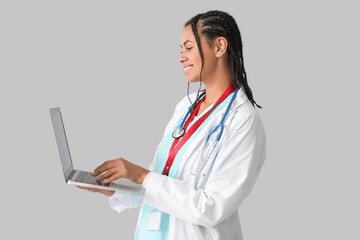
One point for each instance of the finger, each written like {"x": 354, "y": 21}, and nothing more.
{"x": 102, "y": 168}
{"x": 113, "y": 177}
{"x": 93, "y": 189}
{"x": 82, "y": 187}
{"x": 88, "y": 188}
{"x": 106, "y": 175}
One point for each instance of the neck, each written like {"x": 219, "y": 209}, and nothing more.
{"x": 217, "y": 81}
{"x": 215, "y": 89}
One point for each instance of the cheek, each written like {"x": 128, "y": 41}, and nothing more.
{"x": 196, "y": 59}
{"x": 209, "y": 63}
{"x": 197, "y": 64}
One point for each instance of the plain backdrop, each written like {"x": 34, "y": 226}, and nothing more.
{"x": 112, "y": 67}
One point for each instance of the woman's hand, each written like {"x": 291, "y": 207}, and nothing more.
{"x": 108, "y": 193}
{"x": 120, "y": 168}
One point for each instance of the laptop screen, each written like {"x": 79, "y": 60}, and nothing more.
{"x": 62, "y": 143}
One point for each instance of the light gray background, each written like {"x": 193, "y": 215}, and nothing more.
{"x": 113, "y": 69}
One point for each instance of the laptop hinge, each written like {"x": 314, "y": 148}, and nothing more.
{"x": 71, "y": 175}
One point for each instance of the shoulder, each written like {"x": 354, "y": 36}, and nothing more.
{"x": 246, "y": 118}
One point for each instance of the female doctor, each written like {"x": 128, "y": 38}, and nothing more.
{"x": 212, "y": 150}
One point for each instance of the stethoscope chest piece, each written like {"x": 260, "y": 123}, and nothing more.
{"x": 178, "y": 133}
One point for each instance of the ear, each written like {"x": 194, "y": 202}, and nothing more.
{"x": 221, "y": 45}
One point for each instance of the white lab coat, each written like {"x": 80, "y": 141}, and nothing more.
{"x": 206, "y": 206}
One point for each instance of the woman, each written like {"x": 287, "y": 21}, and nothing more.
{"x": 197, "y": 181}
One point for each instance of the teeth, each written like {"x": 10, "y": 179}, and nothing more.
{"x": 187, "y": 68}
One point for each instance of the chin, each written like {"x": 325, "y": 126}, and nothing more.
{"x": 190, "y": 79}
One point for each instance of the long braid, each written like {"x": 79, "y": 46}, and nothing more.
{"x": 218, "y": 23}
{"x": 193, "y": 23}
{"x": 243, "y": 72}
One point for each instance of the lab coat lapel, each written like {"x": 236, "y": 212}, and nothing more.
{"x": 197, "y": 144}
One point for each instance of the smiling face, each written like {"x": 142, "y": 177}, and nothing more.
{"x": 190, "y": 57}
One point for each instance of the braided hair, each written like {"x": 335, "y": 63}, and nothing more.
{"x": 218, "y": 23}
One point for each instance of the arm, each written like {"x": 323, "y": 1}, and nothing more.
{"x": 121, "y": 200}
{"x": 234, "y": 173}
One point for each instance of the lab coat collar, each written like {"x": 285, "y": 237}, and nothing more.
{"x": 240, "y": 98}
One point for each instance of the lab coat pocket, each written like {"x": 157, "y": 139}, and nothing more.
{"x": 200, "y": 163}
{"x": 202, "y": 169}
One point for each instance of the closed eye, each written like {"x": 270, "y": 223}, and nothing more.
{"x": 187, "y": 49}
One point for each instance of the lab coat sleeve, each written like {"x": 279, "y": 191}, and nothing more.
{"x": 122, "y": 200}
{"x": 234, "y": 173}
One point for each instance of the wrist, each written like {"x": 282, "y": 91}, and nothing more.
{"x": 142, "y": 176}
{"x": 110, "y": 194}
{"x": 107, "y": 193}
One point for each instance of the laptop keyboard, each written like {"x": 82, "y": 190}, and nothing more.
{"x": 86, "y": 177}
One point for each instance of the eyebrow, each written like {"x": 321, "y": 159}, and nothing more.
{"x": 185, "y": 42}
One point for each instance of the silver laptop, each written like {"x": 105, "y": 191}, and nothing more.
{"x": 78, "y": 177}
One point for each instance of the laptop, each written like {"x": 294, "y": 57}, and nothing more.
{"x": 79, "y": 177}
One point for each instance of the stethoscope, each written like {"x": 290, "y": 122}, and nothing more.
{"x": 180, "y": 131}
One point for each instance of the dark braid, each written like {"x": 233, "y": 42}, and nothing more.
{"x": 193, "y": 26}
{"x": 218, "y": 23}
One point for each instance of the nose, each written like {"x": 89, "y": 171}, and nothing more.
{"x": 182, "y": 58}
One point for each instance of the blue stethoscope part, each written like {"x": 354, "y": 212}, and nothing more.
{"x": 220, "y": 125}
{"x": 191, "y": 108}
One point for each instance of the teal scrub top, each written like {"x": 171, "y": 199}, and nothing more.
{"x": 142, "y": 231}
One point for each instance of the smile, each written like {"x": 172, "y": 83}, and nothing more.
{"x": 187, "y": 69}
